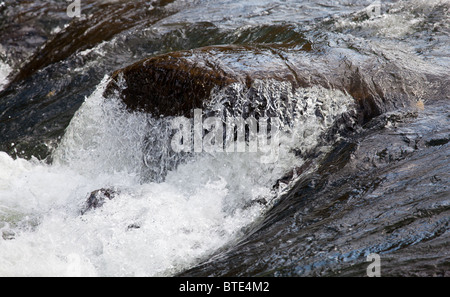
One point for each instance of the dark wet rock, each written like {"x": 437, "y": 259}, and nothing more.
{"x": 51, "y": 75}
{"x": 97, "y": 198}
{"x": 8, "y": 235}
{"x": 335, "y": 216}
{"x": 176, "y": 83}
{"x": 168, "y": 84}
{"x": 60, "y": 70}
{"x": 27, "y": 25}
{"x": 99, "y": 22}
{"x": 429, "y": 258}
{"x": 384, "y": 190}
{"x": 438, "y": 141}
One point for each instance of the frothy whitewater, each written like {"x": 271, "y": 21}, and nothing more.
{"x": 150, "y": 228}
{"x": 5, "y": 69}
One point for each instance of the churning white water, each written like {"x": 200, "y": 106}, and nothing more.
{"x": 5, "y": 69}
{"x": 149, "y": 228}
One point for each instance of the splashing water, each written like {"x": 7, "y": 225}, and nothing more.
{"x": 149, "y": 228}
{"x": 5, "y": 69}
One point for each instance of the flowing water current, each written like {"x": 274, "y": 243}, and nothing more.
{"x": 361, "y": 163}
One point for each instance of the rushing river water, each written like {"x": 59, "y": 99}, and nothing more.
{"x": 91, "y": 183}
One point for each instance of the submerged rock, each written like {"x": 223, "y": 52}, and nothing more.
{"x": 8, "y": 235}
{"x": 97, "y": 198}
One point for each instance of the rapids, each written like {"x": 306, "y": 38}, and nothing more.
{"x": 356, "y": 90}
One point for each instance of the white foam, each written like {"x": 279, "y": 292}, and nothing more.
{"x": 5, "y": 70}
{"x": 149, "y": 228}
{"x": 398, "y": 21}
